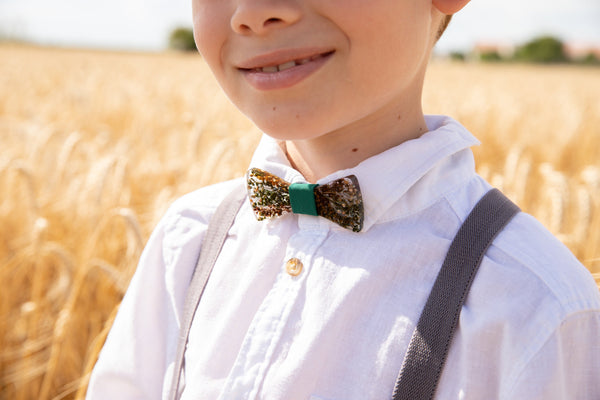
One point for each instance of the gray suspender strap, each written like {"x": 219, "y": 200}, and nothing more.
{"x": 211, "y": 247}
{"x": 431, "y": 339}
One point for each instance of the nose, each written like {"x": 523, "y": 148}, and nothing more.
{"x": 261, "y": 16}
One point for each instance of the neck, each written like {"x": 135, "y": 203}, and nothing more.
{"x": 345, "y": 148}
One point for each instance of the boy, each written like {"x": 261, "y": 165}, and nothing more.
{"x": 299, "y": 307}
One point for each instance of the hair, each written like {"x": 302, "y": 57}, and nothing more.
{"x": 443, "y": 26}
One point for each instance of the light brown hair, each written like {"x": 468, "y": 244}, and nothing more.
{"x": 443, "y": 26}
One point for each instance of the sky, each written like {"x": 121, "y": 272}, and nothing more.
{"x": 145, "y": 24}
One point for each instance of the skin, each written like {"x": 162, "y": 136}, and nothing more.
{"x": 365, "y": 96}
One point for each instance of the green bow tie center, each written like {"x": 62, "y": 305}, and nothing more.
{"x": 302, "y": 198}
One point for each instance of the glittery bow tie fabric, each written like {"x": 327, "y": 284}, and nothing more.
{"x": 339, "y": 201}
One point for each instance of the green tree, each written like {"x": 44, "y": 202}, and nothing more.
{"x": 490, "y": 56}
{"x": 590, "y": 59}
{"x": 457, "y": 56}
{"x": 182, "y": 39}
{"x": 545, "y": 49}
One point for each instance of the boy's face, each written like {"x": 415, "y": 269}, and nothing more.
{"x": 305, "y": 68}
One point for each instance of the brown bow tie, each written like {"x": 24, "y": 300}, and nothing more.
{"x": 339, "y": 201}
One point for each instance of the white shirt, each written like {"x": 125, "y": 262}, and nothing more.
{"x": 339, "y": 330}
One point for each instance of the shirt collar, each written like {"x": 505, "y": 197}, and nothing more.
{"x": 398, "y": 181}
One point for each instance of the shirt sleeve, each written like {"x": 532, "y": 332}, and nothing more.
{"x": 567, "y": 366}
{"x": 134, "y": 361}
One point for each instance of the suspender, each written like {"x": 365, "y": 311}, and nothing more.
{"x": 431, "y": 339}
{"x": 211, "y": 247}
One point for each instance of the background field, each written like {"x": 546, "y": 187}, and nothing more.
{"x": 94, "y": 146}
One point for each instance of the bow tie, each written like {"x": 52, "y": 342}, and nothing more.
{"x": 339, "y": 201}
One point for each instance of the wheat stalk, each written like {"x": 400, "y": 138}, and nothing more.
{"x": 26, "y": 175}
{"x": 65, "y": 155}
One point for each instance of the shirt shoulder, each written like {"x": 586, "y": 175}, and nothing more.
{"x": 202, "y": 203}
{"x": 527, "y": 246}
{"x": 180, "y": 232}
{"x": 530, "y": 284}
{"x": 530, "y": 291}
{"x": 552, "y": 309}
{"x": 526, "y": 256}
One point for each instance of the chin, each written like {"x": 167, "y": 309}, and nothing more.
{"x": 288, "y": 128}
{"x": 289, "y": 131}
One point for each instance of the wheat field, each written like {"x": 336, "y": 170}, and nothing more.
{"x": 95, "y": 145}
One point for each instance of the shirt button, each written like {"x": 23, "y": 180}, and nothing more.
{"x": 294, "y": 266}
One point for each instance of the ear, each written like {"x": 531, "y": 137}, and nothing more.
{"x": 449, "y": 7}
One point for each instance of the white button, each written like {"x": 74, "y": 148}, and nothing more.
{"x": 294, "y": 266}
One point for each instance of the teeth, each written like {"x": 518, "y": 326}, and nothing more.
{"x": 270, "y": 69}
{"x": 287, "y": 65}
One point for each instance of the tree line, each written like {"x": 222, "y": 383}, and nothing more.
{"x": 541, "y": 50}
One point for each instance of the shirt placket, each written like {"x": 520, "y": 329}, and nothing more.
{"x": 266, "y": 329}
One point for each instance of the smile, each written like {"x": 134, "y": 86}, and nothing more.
{"x": 288, "y": 64}
{"x": 283, "y": 70}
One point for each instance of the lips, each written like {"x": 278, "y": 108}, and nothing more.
{"x": 284, "y": 68}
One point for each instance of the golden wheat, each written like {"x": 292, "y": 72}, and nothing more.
{"x": 96, "y": 145}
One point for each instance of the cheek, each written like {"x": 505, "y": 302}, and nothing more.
{"x": 209, "y": 30}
